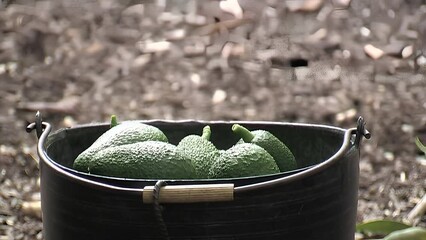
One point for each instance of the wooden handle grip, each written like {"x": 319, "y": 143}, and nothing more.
{"x": 191, "y": 193}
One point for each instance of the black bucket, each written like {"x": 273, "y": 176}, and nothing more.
{"x": 317, "y": 201}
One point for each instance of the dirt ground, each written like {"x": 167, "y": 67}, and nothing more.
{"x": 311, "y": 61}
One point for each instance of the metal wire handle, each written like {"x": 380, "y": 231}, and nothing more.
{"x": 351, "y": 138}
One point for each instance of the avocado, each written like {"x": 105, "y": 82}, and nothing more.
{"x": 200, "y": 150}
{"x": 243, "y": 160}
{"x": 121, "y": 134}
{"x": 279, "y": 151}
{"x": 146, "y": 160}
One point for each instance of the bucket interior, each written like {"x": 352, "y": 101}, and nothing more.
{"x": 310, "y": 144}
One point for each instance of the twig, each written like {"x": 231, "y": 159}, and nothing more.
{"x": 418, "y": 211}
{"x": 32, "y": 208}
{"x": 217, "y": 27}
{"x": 66, "y": 105}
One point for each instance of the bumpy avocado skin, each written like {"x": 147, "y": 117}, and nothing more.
{"x": 243, "y": 160}
{"x": 278, "y": 150}
{"x": 202, "y": 152}
{"x": 142, "y": 160}
{"x": 122, "y": 134}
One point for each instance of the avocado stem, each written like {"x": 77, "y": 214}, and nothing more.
{"x": 243, "y": 132}
{"x": 206, "y": 133}
{"x": 114, "y": 121}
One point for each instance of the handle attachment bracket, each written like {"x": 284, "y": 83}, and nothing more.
{"x": 37, "y": 125}
{"x": 361, "y": 131}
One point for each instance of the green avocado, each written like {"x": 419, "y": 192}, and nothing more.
{"x": 200, "y": 150}
{"x": 141, "y": 160}
{"x": 243, "y": 160}
{"x": 279, "y": 151}
{"x": 119, "y": 134}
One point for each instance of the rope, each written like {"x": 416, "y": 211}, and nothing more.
{"x": 158, "y": 209}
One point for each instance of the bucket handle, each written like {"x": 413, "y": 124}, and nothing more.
{"x": 190, "y": 193}
{"x": 200, "y": 192}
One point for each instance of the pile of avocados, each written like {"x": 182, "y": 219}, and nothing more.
{"x": 132, "y": 149}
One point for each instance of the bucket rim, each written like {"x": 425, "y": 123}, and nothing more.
{"x": 302, "y": 173}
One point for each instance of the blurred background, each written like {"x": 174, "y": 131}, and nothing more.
{"x": 307, "y": 61}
